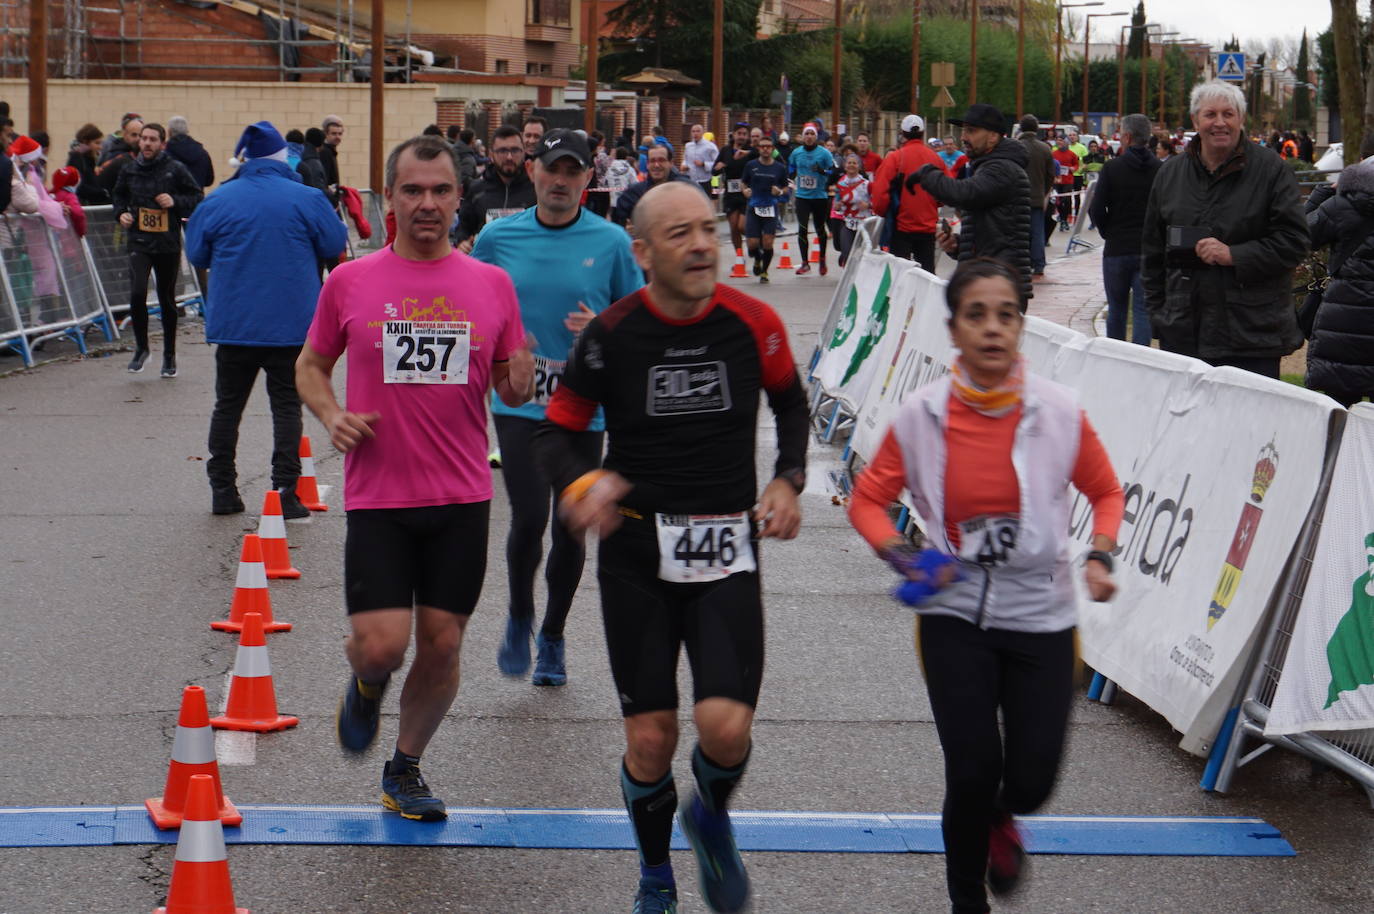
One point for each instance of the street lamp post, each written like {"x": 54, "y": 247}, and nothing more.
{"x": 1059, "y": 51}
{"x": 973, "y": 53}
{"x": 1121, "y": 65}
{"x": 1144, "y": 59}
{"x": 1020, "y": 57}
{"x": 1087, "y": 30}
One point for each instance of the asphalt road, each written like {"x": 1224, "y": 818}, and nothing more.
{"x": 113, "y": 567}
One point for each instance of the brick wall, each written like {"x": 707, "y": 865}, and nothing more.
{"x": 218, "y": 111}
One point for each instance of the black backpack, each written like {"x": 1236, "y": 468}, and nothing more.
{"x": 6, "y": 175}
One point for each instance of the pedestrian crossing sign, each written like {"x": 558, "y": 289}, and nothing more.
{"x": 1231, "y": 66}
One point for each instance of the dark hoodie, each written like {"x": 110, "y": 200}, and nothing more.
{"x": 1119, "y": 198}
{"x": 140, "y": 182}
{"x": 994, "y": 204}
{"x": 487, "y": 196}
{"x": 1340, "y": 358}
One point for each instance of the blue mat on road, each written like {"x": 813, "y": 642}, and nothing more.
{"x": 609, "y": 829}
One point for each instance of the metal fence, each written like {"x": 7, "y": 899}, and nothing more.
{"x": 109, "y": 245}
{"x": 49, "y": 287}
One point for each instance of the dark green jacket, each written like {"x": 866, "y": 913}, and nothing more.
{"x": 1250, "y": 203}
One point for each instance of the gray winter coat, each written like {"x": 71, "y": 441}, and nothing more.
{"x": 1245, "y": 310}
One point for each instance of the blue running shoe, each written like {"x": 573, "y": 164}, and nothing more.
{"x": 406, "y": 792}
{"x": 548, "y": 666}
{"x": 514, "y": 657}
{"x": 655, "y": 897}
{"x": 358, "y": 715}
{"x": 724, "y": 883}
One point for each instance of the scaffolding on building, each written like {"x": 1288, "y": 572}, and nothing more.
{"x": 78, "y": 31}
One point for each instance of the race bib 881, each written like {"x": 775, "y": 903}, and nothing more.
{"x": 426, "y": 352}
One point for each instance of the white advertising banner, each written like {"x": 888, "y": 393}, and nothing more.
{"x": 846, "y": 366}
{"x": 1328, "y": 675}
{"x": 1042, "y": 343}
{"x": 915, "y": 351}
{"x": 1219, "y": 469}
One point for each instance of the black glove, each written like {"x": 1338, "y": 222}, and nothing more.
{"x": 914, "y": 181}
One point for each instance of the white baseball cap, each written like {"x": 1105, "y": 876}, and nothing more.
{"x": 913, "y": 123}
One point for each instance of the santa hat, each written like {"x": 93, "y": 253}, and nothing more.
{"x": 261, "y": 141}
{"x": 809, "y": 126}
{"x": 26, "y": 149}
{"x": 65, "y": 177}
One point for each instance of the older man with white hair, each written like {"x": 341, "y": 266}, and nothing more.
{"x": 1223, "y": 233}
{"x": 190, "y": 153}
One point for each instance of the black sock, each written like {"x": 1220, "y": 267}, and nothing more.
{"x": 767, "y": 258}
{"x": 716, "y": 782}
{"x": 651, "y": 808}
{"x": 400, "y": 761}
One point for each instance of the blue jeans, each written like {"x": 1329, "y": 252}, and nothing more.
{"x": 1037, "y": 240}
{"x": 1121, "y": 278}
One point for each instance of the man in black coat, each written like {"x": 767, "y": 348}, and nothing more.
{"x": 1340, "y": 357}
{"x": 993, "y": 201}
{"x": 188, "y": 152}
{"x": 1118, "y": 211}
{"x": 153, "y": 195}
{"x": 504, "y": 190}
{"x": 1040, "y": 171}
{"x": 661, "y": 170}
{"x": 1223, "y": 232}
{"x": 310, "y": 167}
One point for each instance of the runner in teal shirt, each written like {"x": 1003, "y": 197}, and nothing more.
{"x": 811, "y": 167}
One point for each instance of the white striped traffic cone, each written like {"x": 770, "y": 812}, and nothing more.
{"x": 200, "y": 875}
{"x": 250, "y": 592}
{"x": 307, "y": 487}
{"x": 193, "y": 753}
{"x": 252, "y": 701}
{"x": 272, "y": 533}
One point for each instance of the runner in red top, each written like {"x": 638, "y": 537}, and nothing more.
{"x": 678, "y": 368}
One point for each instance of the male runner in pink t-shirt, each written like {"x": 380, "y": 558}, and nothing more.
{"x": 428, "y": 331}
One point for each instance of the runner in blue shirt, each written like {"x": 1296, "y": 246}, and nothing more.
{"x": 567, "y": 266}
{"x": 811, "y": 166}
{"x": 765, "y": 186}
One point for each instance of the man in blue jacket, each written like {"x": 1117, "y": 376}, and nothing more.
{"x": 262, "y": 235}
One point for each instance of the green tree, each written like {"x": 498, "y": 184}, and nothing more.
{"x": 1302, "y": 100}
{"x": 1140, "y": 42}
{"x": 672, "y": 33}
{"x": 1345, "y": 25}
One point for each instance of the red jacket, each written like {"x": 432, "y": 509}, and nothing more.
{"x": 917, "y": 211}
{"x": 78, "y": 215}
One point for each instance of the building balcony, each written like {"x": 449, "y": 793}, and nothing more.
{"x": 548, "y": 20}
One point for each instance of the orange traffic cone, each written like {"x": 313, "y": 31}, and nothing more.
{"x": 200, "y": 874}
{"x": 272, "y": 532}
{"x": 785, "y": 261}
{"x": 307, "y": 490}
{"x": 815, "y": 249}
{"x": 739, "y": 272}
{"x": 193, "y": 754}
{"x": 250, "y": 592}
{"x": 252, "y": 700}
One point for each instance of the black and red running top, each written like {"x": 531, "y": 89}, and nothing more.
{"x": 681, "y": 402}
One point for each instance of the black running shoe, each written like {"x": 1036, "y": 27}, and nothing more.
{"x": 137, "y": 362}
{"x": 359, "y": 716}
{"x": 724, "y": 881}
{"x": 406, "y": 792}
{"x": 169, "y": 365}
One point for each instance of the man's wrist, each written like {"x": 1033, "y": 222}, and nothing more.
{"x": 796, "y": 477}
{"x": 1102, "y": 557}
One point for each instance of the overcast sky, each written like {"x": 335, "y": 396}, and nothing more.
{"x": 1249, "y": 20}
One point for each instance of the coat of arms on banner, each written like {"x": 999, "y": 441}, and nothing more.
{"x": 1250, "y": 515}
{"x": 874, "y": 330}
{"x": 1350, "y": 651}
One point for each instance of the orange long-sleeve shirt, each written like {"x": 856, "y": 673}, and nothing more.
{"x": 979, "y": 477}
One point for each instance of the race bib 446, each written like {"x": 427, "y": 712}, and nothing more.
{"x": 426, "y": 352}
{"x": 696, "y": 548}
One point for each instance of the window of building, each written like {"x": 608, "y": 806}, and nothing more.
{"x": 501, "y": 66}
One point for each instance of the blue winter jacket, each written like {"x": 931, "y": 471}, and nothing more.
{"x": 263, "y": 235}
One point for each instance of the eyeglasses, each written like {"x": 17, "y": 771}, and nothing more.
{"x": 513, "y": 151}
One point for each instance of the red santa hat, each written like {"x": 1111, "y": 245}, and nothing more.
{"x": 25, "y": 149}
{"x": 65, "y": 177}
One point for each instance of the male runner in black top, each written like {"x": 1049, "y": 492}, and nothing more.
{"x": 678, "y": 368}
{"x": 730, "y": 166}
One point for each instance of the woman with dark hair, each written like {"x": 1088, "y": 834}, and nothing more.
{"x": 85, "y": 149}
{"x": 988, "y": 454}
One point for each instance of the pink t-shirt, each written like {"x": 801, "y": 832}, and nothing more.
{"x": 431, "y": 444}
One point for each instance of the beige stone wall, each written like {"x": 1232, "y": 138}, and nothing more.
{"x": 219, "y": 111}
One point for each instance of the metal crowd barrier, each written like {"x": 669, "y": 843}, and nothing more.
{"x": 108, "y": 242}
{"x": 50, "y": 287}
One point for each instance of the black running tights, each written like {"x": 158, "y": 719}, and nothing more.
{"x": 970, "y": 673}
{"x": 164, "y": 267}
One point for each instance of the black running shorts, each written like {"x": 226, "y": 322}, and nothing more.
{"x": 735, "y": 203}
{"x": 647, "y": 620}
{"x": 399, "y": 558}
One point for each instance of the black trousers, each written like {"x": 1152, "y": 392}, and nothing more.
{"x": 165, "y": 267}
{"x": 970, "y": 674}
{"x": 531, "y": 500}
{"x": 236, "y": 370}
{"x": 917, "y": 246}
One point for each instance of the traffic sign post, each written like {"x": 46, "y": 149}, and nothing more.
{"x": 1231, "y": 66}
